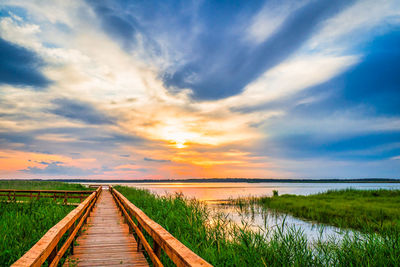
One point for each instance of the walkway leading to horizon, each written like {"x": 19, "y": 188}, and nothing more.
{"x": 105, "y": 239}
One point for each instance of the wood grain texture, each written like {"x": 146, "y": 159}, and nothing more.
{"x": 46, "y": 246}
{"x": 105, "y": 239}
{"x": 176, "y": 251}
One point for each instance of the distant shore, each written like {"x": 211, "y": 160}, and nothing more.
{"x": 224, "y": 180}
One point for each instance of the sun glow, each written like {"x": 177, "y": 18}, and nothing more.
{"x": 178, "y": 137}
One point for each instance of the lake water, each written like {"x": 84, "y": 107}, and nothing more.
{"x": 214, "y": 193}
{"x": 223, "y": 191}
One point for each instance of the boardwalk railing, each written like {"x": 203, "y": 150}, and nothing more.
{"x": 162, "y": 239}
{"x": 49, "y": 247}
{"x": 13, "y": 194}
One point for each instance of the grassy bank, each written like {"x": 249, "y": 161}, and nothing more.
{"x": 364, "y": 210}
{"x": 40, "y": 185}
{"x": 222, "y": 243}
{"x": 23, "y": 224}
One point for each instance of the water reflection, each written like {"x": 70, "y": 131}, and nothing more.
{"x": 224, "y": 191}
{"x": 214, "y": 195}
{"x": 265, "y": 220}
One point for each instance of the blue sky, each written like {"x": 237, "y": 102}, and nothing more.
{"x": 182, "y": 89}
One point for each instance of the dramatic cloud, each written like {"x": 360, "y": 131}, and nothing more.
{"x": 167, "y": 89}
{"x": 77, "y": 110}
{"x": 229, "y": 75}
{"x": 20, "y": 67}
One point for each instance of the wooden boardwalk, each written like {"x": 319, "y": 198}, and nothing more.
{"x": 105, "y": 239}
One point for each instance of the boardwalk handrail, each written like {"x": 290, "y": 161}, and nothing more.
{"x": 48, "y": 247}
{"x": 12, "y": 194}
{"x": 162, "y": 239}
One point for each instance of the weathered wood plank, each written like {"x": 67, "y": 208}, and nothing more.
{"x": 105, "y": 239}
{"x": 176, "y": 251}
{"x": 46, "y": 246}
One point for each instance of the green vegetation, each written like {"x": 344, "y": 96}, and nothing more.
{"x": 223, "y": 243}
{"x": 364, "y": 210}
{"x": 40, "y": 185}
{"x": 23, "y": 224}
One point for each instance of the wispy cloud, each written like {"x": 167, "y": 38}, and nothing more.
{"x": 156, "y": 89}
{"x": 55, "y": 169}
{"x": 157, "y": 160}
{"x": 20, "y": 67}
{"x": 78, "y": 110}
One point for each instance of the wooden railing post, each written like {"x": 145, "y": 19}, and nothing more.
{"x": 46, "y": 249}
{"x": 52, "y": 255}
{"x": 162, "y": 240}
{"x": 157, "y": 249}
{"x": 70, "y": 230}
{"x": 139, "y": 242}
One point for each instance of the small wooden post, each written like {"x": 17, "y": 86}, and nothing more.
{"x": 70, "y": 230}
{"x": 38, "y": 196}
{"x": 139, "y": 242}
{"x": 156, "y": 249}
{"x": 65, "y": 198}
{"x": 52, "y": 255}
{"x": 30, "y": 196}
{"x": 14, "y": 195}
{"x": 54, "y": 197}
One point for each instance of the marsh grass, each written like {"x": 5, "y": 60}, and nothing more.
{"x": 223, "y": 243}
{"x": 41, "y": 185}
{"x": 23, "y": 224}
{"x": 363, "y": 210}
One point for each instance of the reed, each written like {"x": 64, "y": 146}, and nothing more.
{"x": 363, "y": 210}
{"x": 40, "y": 185}
{"x": 223, "y": 243}
{"x": 23, "y": 224}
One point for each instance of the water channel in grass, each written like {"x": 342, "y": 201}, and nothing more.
{"x": 216, "y": 194}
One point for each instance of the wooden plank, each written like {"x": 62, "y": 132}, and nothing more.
{"x": 38, "y": 254}
{"x": 105, "y": 239}
{"x": 176, "y": 251}
{"x": 87, "y": 192}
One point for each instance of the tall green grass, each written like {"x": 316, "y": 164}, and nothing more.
{"x": 364, "y": 210}
{"x": 40, "y": 185}
{"x": 23, "y": 224}
{"x": 223, "y": 243}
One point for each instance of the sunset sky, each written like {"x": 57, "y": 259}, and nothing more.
{"x": 184, "y": 89}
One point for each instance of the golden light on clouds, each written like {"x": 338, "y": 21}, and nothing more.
{"x": 162, "y": 100}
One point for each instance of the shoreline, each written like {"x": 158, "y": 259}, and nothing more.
{"x": 220, "y": 180}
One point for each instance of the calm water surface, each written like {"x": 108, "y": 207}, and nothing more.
{"x": 214, "y": 193}
{"x": 223, "y": 191}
